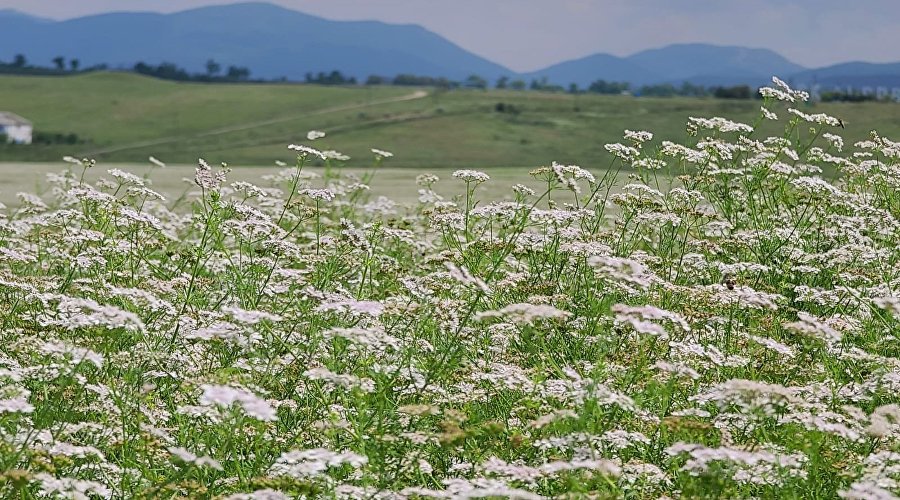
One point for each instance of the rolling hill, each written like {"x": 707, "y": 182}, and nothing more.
{"x": 123, "y": 117}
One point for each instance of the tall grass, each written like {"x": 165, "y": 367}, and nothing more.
{"x": 722, "y": 324}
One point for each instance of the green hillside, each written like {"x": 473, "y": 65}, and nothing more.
{"x": 125, "y": 117}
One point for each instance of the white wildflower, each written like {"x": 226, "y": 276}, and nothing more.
{"x": 301, "y": 464}
{"x": 188, "y": 457}
{"x": 306, "y": 151}
{"x": 471, "y": 176}
{"x": 226, "y": 396}
{"x": 526, "y": 314}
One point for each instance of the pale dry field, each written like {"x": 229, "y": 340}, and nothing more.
{"x": 399, "y": 184}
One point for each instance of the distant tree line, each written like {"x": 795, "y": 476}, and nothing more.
{"x": 333, "y": 78}
{"x": 504, "y": 83}
{"x": 214, "y": 72}
{"x": 407, "y": 79}
{"x": 56, "y": 138}
{"x": 686, "y": 89}
{"x": 45, "y": 138}
{"x": 61, "y": 66}
{"x": 604, "y": 87}
{"x": 166, "y": 70}
{"x": 543, "y": 85}
{"x": 845, "y": 96}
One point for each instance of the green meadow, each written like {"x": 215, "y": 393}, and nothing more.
{"x": 125, "y": 118}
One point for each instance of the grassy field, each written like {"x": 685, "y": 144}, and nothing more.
{"x": 127, "y": 118}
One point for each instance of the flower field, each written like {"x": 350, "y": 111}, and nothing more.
{"x": 715, "y": 319}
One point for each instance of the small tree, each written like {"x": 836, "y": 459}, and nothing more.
{"x": 735, "y": 92}
{"x": 335, "y": 78}
{"x": 238, "y": 73}
{"x": 74, "y": 63}
{"x": 212, "y": 67}
{"x": 19, "y": 61}
{"x": 476, "y": 82}
{"x": 518, "y": 85}
{"x": 604, "y": 87}
{"x": 502, "y": 82}
{"x": 541, "y": 84}
{"x": 60, "y": 62}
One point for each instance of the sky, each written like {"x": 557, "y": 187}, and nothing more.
{"x": 526, "y": 35}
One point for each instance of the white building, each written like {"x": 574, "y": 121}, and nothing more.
{"x": 15, "y": 128}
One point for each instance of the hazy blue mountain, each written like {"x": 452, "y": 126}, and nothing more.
{"x": 854, "y": 74}
{"x": 16, "y": 25}
{"x": 16, "y": 15}
{"x": 697, "y": 61}
{"x": 273, "y": 42}
{"x": 589, "y": 69}
{"x": 269, "y": 40}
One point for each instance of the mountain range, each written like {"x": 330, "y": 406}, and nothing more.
{"x": 276, "y": 42}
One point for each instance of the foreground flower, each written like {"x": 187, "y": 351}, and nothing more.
{"x": 208, "y": 179}
{"x": 226, "y": 396}
{"x": 188, "y": 457}
{"x": 306, "y": 151}
{"x": 471, "y": 176}
{"x": 310, "y": 463}
{"x": 526, "y": 314}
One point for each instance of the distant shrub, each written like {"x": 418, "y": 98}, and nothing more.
{"x": 502, "y": 107}
{"x": 57, "y": 138}
{"x": 735, "y": 92}
{"x": 604, "y": 87}
{"x": 844, "y": 96}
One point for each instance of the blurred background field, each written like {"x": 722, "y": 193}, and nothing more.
{"x": 123, "y": 117}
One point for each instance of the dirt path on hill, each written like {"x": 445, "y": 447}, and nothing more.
{"x": 419, "y": 94}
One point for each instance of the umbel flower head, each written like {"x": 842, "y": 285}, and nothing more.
{"x": 305, "y": 151}
{"x": 226, "y": 396}
{"x": 207, "y": 178}
{"x": 473, "y": 176}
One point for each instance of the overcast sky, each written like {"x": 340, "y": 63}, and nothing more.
{"x": 529, "y": 34}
